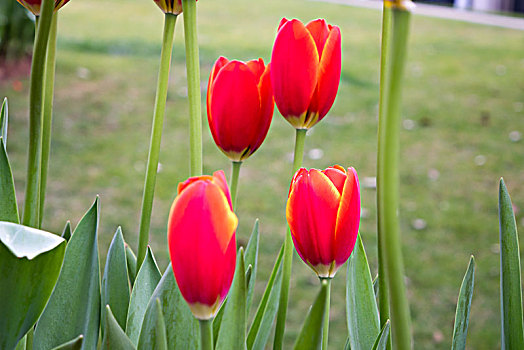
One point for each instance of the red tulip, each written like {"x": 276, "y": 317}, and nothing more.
{"x": 323, "y": 213}
{"x": 239, "y": 106}
{"x": 34, "y": 5}
{"x": 305, "y": 70}
{"x": 202, "y": 245}
{"x": 170, "y": 6}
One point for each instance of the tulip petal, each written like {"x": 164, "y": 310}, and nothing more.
{"x": 257, "y": 67}
{"x": 348, "y": 218}
{"x": 220, "y": 179}
{"x": 328, "y": 75}
{"x": 319, "y": 31}
{"x": 234, "y": 109}
{"x": 267, "y": 106}
{"x": 294, "y": 70}
{"x": 311, "y": 212}
{"x": 219, "y": 64}
{"x": 337, "y": 175}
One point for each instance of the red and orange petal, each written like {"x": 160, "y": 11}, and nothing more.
{"x": 312, "y": 212}
{"x": 35, "y": 5}
{"x": 328, "y": 74}
{"x": 294, "y": 69}
{"x": 348, "y": 218}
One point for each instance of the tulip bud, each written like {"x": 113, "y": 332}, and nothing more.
{"x": 202, "y": 245}
{"x": 305, "y": 70}
{"x": 323, "y": 213}
{"x": 34, "y": 5}
{"x": 239, "y": 106}
{"x": 170, "y": 6}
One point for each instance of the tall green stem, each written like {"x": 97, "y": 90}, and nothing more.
{"x": 325, "y": 332}
{"x": 32, "y": 191}
{"x": 193, "y": 86}
{"x": 288, "y": 252}
{"x": 383, "y": 292}
{"x": 48, "y": 113}
{"x": 389, "y": 202}
{"x": 235, "y": 171}
{"x": 156, "y": 136}
{"x": 206, "y": 334}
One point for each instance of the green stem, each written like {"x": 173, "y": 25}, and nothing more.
{"x": 383, "y": 293}
{"x": 325, "y": 333}
{"x": 48, "y": 113}
{"x": 193, "y": 86}
{"x": 235, "y": 171}
{"x": 156, "y": 136}
{"x": 206, "y": 334}
{"x": 288, "y": 252}
{"x": 32, "y": 191}
{"x": 400, "y": 318}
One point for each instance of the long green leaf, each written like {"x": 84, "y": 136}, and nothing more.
{"x": 114, "y": 336}
{"x": 510, "y": 278}
{"x": 146, "y": 282}
{"x": 182, "y": 328}
{"x": 4, "y": 120}
{"x": 8, "y": 206}
{"x": 30, "y": 262}
{"x": 232, "y": 334}
{"x": 259, "y": 332}
{"x": 460, "y": 330}
{"x": 75, "y": 344}
{"x": 131, "y": 264}
{"x": 382, "y": 340}
{"x": 361, "y": 305}
{"x": 252, "y": 259}
{"x": 153, "y": 334}
{"x": 115, "y": 285}
{"x": 74, "y": 306}
{"x": 66, "y": 233}
{"x": 263, "y": 305}
{"x": 310, "y": 337}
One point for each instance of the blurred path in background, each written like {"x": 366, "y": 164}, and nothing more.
{"x": 496, "y": 20}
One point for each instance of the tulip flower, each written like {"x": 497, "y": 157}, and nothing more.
{"x": 239, "y": 106}
{"x": 305, "y": 70}
{"x": 34, "y": 5}
{"x": 323, "y": 213}
{"x": 170, "y": 6}
{"x": 202, "y": 245}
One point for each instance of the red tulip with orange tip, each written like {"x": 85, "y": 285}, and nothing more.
{"x": 323, "y": 213}
{"x": 239, "y": 106}
{"x": 202, "y": 245}
{"x": 305, "y": 70}
{"x": 34, "y": 5}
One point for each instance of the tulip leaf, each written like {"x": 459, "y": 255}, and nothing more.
{"x": 382, "y": 340}
{"x": 131, "y": 264}
{"x": 375, "y": 286}
{"x": 361, "y": 305}
{"x": 252, "y": 260}
{"x": 153, "y": 334}
{"x": 267, "y": 307}
{"x": 510, "y": 279}
{"x": 4, "y": 119}
{"x": 232, "y": 334}
{"x": 30, "y": 262}
{"x": 75, "y": 344}
{"x": 74, "y": 306}
{"x": 348, "y": 345}
{"x": 114, "y": 336}
{"x": 460, "y": 330}
{"x": 145, "y": 284}
{"x": 259, "y": 333}
{"x": 115, "y": 283}
{"x": 310, "y": 336}
{"x": 8, "y": 206}
{"x": 182, "y": 329}
{"x": 66, "y": 233}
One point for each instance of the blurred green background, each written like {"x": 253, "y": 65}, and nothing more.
{"x": 462, "y": 130}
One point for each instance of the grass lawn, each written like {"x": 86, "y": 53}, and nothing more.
{"x": 464, "y": 97}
